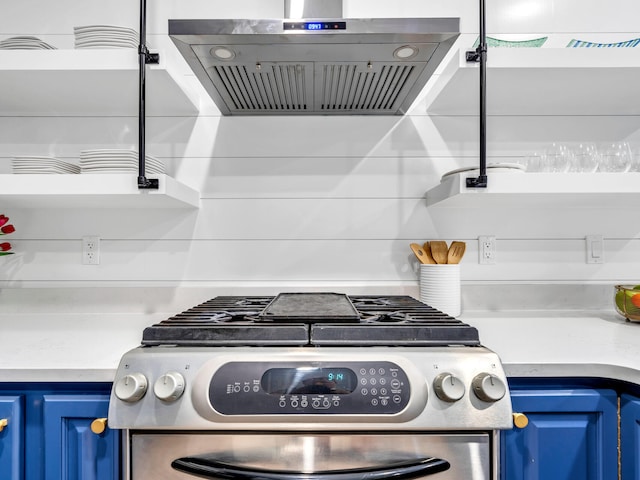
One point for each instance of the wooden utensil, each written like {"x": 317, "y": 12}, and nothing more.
{"x": 456, "y": 251}
{"x": 427, "y": 250}
{"x": 439, "y": 251}
{"x": 419, "y": 252}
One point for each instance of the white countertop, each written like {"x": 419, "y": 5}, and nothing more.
{"x": 562, "y": 344}
{"x": 82, "y": 347}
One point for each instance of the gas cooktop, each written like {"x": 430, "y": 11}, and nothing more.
{"x": 311, "y": 319}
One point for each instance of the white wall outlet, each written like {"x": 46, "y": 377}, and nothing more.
{"x": 91, "y": 250}
{"x": 487, "y": 249}
{"x": 595, "y": 249}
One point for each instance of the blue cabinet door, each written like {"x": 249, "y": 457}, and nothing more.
{"x": 11, "y": 438}
{"x": 72, "y": 451}
{"x": 630, "y": 437}
{"x": 572, "y": 435}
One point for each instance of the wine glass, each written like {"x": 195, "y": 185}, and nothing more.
{"x": 535, "y": 162}
{"x": 635, "y": 158}
{"x": 558, "y": 157}
{"x": 586, "y": 158}
{"x": 616, "y": 157}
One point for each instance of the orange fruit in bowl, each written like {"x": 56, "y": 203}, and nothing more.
{"x": 627, "y": 301}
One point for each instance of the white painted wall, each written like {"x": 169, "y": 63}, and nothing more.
{"x": 313, "y": 202}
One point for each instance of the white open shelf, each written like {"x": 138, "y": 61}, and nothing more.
{"x": 554, "y": 190}
{"x": 85, "y": 82}
{"x": 93, "y": 191}
{"x": 541, "y": 81}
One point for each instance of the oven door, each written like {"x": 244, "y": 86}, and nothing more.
{"x": 310, "y": 456}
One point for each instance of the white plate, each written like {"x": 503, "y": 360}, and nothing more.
{"x": 38, "y": 162}
{"x": 492, "y": 168}
{"x": 25, "y": 45}
{"x": 104, "y": 28}
{"x": 44, "y": 170}
{"x": 105, "y": 34}
{"x": 119, "y": 167}
{"x": 104, "y": 45}
{"x": 121, "y": 161}
{"x": 119, "y": 170}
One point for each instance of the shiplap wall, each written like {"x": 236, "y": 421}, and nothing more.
{"x": 312, "y": 202}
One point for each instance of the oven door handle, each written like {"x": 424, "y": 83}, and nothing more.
{"x": 204, "y": 467}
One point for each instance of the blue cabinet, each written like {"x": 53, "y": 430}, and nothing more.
{"x": 572, "y": 434}
{"x": 11, "y": 437}
{"x": 48, "y": 434}
{"x": 72, "y": 450}
{"x": 630, "y": 437}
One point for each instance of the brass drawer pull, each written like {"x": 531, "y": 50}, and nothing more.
{"x": 520, "y": 420}
{"x": 99, "y": 425}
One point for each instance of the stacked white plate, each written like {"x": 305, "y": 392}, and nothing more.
{"x": 39, "y": 165}
{"x": 105, "y": 36}
{"x": 491, "y": 168}
{"x": 24, "y": 43}
{"x": 117, "y": 161}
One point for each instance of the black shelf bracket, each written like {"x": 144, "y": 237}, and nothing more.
{"x": 149, "y": 58}
{"x": 480, "y": 55}
{"x": 144, "y": 58}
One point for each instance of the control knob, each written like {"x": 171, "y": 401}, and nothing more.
{"x": 169, "y": 387}
{"x": 131, "y": 387}
{"x": 488, "y": 387}
{"x": 448, "y": 387}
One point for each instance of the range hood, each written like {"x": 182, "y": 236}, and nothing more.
{"x": 321, "y": 65}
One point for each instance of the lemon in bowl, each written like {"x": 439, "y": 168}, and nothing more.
{"x": 627, "y": 300}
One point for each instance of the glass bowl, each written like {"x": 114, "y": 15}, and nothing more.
{"x": 627, "y": 301}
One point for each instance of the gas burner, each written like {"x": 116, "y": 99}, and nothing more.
{"x": 253, "y": 301}
{"x": 385, "y": 317}
{"x": 366, "y": 302}
{"x": 213, "y": 317}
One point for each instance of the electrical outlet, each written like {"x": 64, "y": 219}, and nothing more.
{"x": 487, "y": 249}
{"x": 91, "y": 250}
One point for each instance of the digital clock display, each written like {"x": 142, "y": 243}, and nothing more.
{"x": 309, "y": 380}
{"x": 328, "y": 25}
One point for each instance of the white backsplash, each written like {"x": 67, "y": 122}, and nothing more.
{"x": 309, "y": 203}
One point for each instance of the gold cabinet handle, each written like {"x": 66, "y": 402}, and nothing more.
{"x": 3, "y": 423}
{"x": 520, "y": 420}
{"x": 99, "y": 425}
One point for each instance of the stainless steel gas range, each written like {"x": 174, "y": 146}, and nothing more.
{"x": 311, "y": 386}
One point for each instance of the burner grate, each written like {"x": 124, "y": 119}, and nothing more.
{"x": 320, "y": 319}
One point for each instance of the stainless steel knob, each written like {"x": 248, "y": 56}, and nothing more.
{"x": 448, "y": 387}
{"x": 169, "y": 387}
{"x": 132, "y": 387}
{"x": 488, "y": 387}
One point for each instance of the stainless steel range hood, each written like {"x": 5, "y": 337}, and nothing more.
{"x": 314, "y": 66}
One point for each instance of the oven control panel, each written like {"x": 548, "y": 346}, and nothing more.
{"x": 290, "y": 388}
{"x": 440, "y": 388}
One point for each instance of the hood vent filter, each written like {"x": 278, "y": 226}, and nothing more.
{"x": 288, "y": 88}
